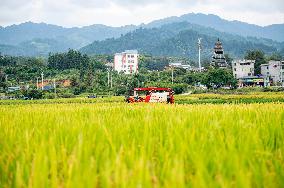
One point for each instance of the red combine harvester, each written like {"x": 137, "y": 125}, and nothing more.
{"x": 152, "y": 95}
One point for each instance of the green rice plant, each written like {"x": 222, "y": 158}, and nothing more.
{"x": 257, "y": 97}
{"x": 64, "y": 101}
{"x": 141, "y": 145}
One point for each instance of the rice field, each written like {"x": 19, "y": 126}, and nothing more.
{"x": 114, "y": 144}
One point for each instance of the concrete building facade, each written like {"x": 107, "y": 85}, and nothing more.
{"x": 126, "y": 62}
{"x": 243, "y": 68}
{"x": 274, "y": 71}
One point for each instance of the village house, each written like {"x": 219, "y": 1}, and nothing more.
{"x": 126, "y": 62}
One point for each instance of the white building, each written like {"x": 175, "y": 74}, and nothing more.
{"x": 126, "y": 62}
{"x": 243, "y": 68}
{"x": 180, "y": 65}
{"x": 274, "y": 70}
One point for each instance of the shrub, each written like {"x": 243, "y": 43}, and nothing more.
{"x": 33, "y": 94}
{"x": 49, "y": 96}
{"x": 66, "y": 95}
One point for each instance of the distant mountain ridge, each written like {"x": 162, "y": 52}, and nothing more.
{"x": 274, "y": 32}
{"x": 38, "y": 39}
{"x": 180, "y": 39}
{"x": 75, "y": 37}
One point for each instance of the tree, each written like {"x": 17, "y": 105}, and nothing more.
{"x": 153, "y": 63}
{"x": 193, "y": 78}
{"x": 33, "y": 94}
{"x": 2, "y": 79}
{"x": 229, "y": 59}
{"x": 275, "y": 57}
{"x": 217, "y": 78}
{"x": 259, "y": 58}
{"x": 71, "y": 59}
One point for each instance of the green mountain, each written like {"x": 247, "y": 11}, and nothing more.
{"x": 274, "y": 32}
{"x": 11, "y": 50}
{"x": 38, "y": 39}
{"x": 180, "y": 39}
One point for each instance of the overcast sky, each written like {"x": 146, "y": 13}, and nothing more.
{"x": 122, "y": 12}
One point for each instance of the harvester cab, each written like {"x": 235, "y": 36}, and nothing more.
{"x": 152, "y": 95}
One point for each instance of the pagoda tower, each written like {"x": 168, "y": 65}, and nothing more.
{"x": 218, "y": 58}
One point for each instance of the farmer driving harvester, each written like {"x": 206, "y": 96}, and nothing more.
{"x": 153, "y": 95}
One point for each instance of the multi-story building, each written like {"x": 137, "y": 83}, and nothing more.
{"x": 126, "y": 62}
{"x": 243, "y": 68}
{"x": 243, "y": 71}
{"x": 274, "y": 71}
{"x": 218, "y": 58}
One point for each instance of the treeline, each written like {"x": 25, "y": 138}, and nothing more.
{"x": 90, "y": 74}
{"x": 15, "y": 70}
{"x": 70, "y": 60}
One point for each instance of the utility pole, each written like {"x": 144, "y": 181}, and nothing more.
{"x": 172, "y": 75}
{"x": 42, "y": 81}
{"x": 37, "y": 83}
{"x": 6, "y": 78}
{"x": 199, "y": 52}
{"x": 282, "y": 81}
{"x": 108, "y": 77}
{"x": 54, "y": 86}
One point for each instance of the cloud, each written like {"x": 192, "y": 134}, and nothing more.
{"x": 10, "y": 4}
{"x": 252, "y": 5}
{"x": 92, "y": 4}
{"x": 122, "y": 12}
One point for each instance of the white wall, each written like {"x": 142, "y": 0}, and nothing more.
{"x": 126, "y": 62}
{"x": 274, "y": 70}
{"x": 118, "y": 62}
{"x": 243, "y": 68}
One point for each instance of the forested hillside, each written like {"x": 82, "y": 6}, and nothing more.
{"x": 274, "y": 32}
{"x": 180, "y": 39}
{"x": 38, "y": 39}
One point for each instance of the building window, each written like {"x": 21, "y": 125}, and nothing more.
{"x": 249, "y": 74}
{"x": 235, "y": 69}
